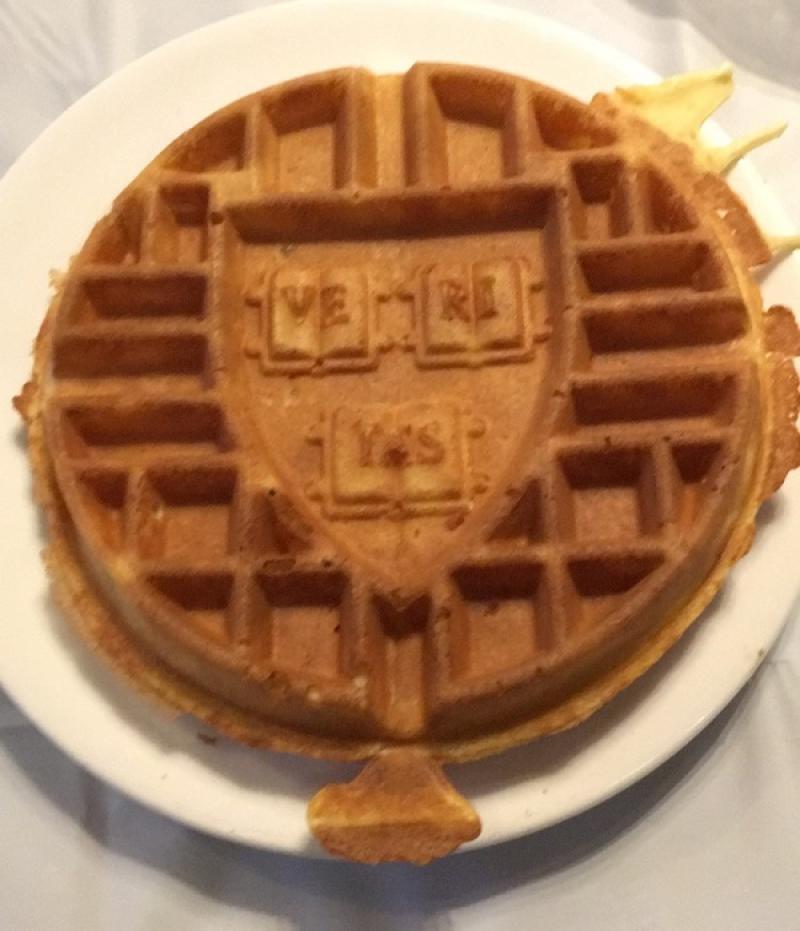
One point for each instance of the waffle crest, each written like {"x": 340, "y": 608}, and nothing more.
{"x": 421, "y": 410}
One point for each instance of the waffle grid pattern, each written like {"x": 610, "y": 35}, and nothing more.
{"x": 641, "y": 434}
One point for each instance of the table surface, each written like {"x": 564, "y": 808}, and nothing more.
{"x": 711, "y": 840}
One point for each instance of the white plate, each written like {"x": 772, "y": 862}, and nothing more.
{"x": 49, "y": 201}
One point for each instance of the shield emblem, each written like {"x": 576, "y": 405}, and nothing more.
{"x": 395, "y": 358}
{"x": 397, "y": 311}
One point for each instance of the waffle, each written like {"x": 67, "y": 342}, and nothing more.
{"x": 406, "y": 418}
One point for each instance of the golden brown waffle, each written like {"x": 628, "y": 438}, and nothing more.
{"x": 418, "y": 411}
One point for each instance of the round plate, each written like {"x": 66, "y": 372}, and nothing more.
{"x": 49, "y": 201}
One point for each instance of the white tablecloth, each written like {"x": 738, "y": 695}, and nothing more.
{"x": 709, "y": 841}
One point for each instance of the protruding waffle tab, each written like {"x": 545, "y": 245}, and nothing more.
{"x": 681, "y": 104}
{"x": 782, "y": 342}
{"x": 781, "y": 332}
{"x": 399, "y": 807}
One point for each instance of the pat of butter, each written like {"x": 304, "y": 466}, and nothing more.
{"x": 681, "y": 104}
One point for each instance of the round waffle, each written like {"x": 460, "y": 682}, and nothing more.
{"x": 407, "y": 418}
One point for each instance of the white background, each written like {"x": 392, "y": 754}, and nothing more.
{"x": 711, "y": 840}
